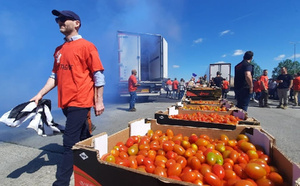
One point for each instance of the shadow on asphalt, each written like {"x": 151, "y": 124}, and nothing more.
{"x": 48, "y": 157}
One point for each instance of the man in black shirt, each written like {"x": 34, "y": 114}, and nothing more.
{"x": 218, "y": 80}
{"x": 243, "y": 84}
{"x": 285, "y": 83}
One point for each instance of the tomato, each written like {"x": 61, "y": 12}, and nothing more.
{"x": 212, "y": 179}
{"x": 264, "y": 182}
{"x": 189, "y": 152}
{"x": 170, "y": 162}
{"x": 198, "y": 182}
{"x": 252, "y": 154}
{"x": 219, "y": 171}
{"x": 147, "y": 161}
{"x": 123, "y": 148}
{"x": 243, "y": 183}
{"x": 255, "y": 171}
{"x": 275, "y": 178}
{"x": 232, "y": 143}
{"x": 158, "y": 132}
{"x": 194, "y": 147}
{"x": 179, "y": 149}
{"x": 161, "y": 158}
{"x": 224, "y": 138}
{"x": 174, "y": 170}
{"x": 115, "y": 152}
{"x": 194, "y": 163}
{"x": 265, "y": 157}
{"x": 181, "y": 160}
{"x": 220, "y": 160}
{"x": 227, "y": 166}
{"x": 170, "y": 133}
{"x": 245, "y": 146}
{"x": 129, "y": 142}
{"x": 188, "y": 176}
{"x": 140, "y": 159}
{"x": 150, "y": 168}
{"x": 205, "y": 168}
{"x": 144, "y": 147}
{"x": 160, "y": 171}
{"x": 123, "y": 155}
{"x": 174, "y": 177}
{"x": 151, "y": 154}
{"x": 211, "y": 158}
{"x": 132, "y": 162}
{"x": 133, "y": 150}
{"x": 201, "y": 142}
{"x": 193, "y": 138}
{"x": 229, "y": 174}
{"x": 110, "y": 158}
{"x": 234, "y": 156}
{"x": 200, "y": 156}
{"x": 144, "y": 140}
{"x": 242, "y": 137}
{"x": 220, "y": 147}
{"x": 141, "y": 168}
{"x": 123, "y": 162}
{"x": 239, "y": 170}
{"x": 168, "y": 145}
{"x": 150, "y": 133}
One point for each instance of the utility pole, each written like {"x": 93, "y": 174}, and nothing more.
{"x": 294, "y": 43}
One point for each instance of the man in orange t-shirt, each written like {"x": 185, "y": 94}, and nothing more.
{"x": 263, "y": 100}
{"x": 78, "y": 75}
{"x": 175, "y": 88}
{"x": 132, "y": 86}
{"x": 225, "y": 88}
{"x": 169, "y": 88}
{"x": 296, "y": 88}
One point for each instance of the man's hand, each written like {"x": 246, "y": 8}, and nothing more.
{"x": 99, "y": 109}
{"x": 36, "y": 98}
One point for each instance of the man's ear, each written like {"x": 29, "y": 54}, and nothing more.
{"x": 78, "y": 24}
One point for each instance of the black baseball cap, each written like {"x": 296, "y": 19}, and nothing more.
{"x": 66, "y": 13}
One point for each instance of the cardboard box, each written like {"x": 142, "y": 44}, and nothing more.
{"x": 203, "y": 93}
{"x": 89, "y": 169}
{"x": 162, "y": 117}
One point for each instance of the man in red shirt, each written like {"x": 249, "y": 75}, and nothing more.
{"x": 78, "y": 74}
{"x": 296, "y": 88}
{"x": 175, "y": 88}
{"x": 264, "y": 80}
{"x": 169, "y": 88}
{"x": 132, "y": 86}
{"x": 225, "y": 88}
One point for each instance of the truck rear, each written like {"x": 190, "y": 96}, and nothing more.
{"x": 224, "y": 68}
{"x": 148, "y": 54}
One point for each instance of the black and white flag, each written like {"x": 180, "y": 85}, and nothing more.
{"x": 41, "y": 118}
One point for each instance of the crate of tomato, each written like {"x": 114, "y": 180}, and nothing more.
{"x": 203, "y": 93}
{"x": 151, "y": 154}
{"x": 227, "y": 119}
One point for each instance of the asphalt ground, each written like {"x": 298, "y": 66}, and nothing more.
{"x": 29, "y": 159}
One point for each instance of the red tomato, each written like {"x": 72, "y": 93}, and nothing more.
{"x": 212, "y": 179}
{"x": 147, "y": 161}
{"x": 255, "y": 171}
{"x": 205, "y": 168}
{"x": 219, "y": 171}
{"x": 123, "y": 155}
{"x": 160, "y": 171}
{"x": 243, "y": 183}
{"x": 170, "y": 162}
{"x": 275, "y": 178}
{"x": 181, "y": 160}
{"x": 229, "y": 174}
{"x": 175, "y": 177}
{"x": 170, "y": 133}
{"x": 150, "y": 168}
{"x": 167, "y": 145}
{"x": 129, "y": 142}
{"x": 140, "y": 159}
{"x": 154, "y": 145}
{"x": 179, "y": 149}
{"x": 238, "y": 169}
{"x": 264, "y": 182}
{"x": 188, "y": 176}
{"x": 245, "y": 146}
{"x": 171, "y": 155}
{"x": 194, "y": 163}
{"x": 132, "y": 162}
{"x": 227, "y": 166}
{"x": 174, "y": 170}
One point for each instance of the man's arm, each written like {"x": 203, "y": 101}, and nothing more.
{"x": 291, "y": 84}
{"x": 50, "y": 84}
{"x": 99, "y": 106}
{"x": 248, "y": 77}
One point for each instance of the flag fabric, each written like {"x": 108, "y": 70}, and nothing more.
{"x": 41, "y": 118}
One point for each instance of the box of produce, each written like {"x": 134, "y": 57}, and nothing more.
{"x": 203, "y": 93}
{"x": 150, "y": 154}
{"x": 229, "y": 119}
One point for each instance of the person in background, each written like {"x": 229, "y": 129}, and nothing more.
{"x": 272, "y": 89}
{"x": 285, "y": 83}
{"x": 132, "y": 87}
{"x": 78, "y": 75}
{"x": 218, "y": 80}
{"x": 296, "y": 87}
{"x": 181, "y": 88}
{"x": 169, "y": 88}
{"x": 191, "y": 83}
{"x": 256, "y": 89}
{"x": 175, "y": 88}
{"x": 264, "y": 80}
{"x": 243, "y": 83}
{"x": 225, "y": 88}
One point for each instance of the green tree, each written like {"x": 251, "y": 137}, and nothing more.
{"x": 291, "y": 66}
{"x": 257, "y": 70}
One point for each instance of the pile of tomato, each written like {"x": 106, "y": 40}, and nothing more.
{"x": 207, "y": 102}
{"x": 204, "y": 107}
{"x": 197, "y": 159}
{"x": 210, "y": 118}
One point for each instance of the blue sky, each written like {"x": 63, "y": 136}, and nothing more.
{"x": 198, "y": 33}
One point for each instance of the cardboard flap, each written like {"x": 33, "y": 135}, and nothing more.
{"x": 101, "y": 144}
{"x": 240, "y": 114}
{"x": 260, "y": 138}
{"x": 173, "y": 111}
{"x": 139, "y": 127}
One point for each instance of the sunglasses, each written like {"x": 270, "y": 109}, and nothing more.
{"x": 63, "y": 19}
